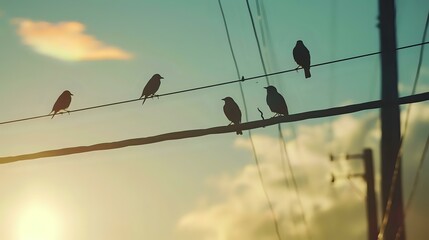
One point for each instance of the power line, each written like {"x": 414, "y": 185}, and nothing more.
{"x": 295, "y": 185}
{"x": 277, "y": 228}
{"x": 261, "y": 178}
{"x": 416, "y": 79}
{"x": 420, "y": 55}
{"x": 229, "y": 39}
{"x": 281, "y": 138}
{"x": 284, "y": 156}
{"x": 255, "y": 156}
{"x": 414, "y": 187}
{"x": 212, "y": 85}
{"x": 419, "y": 65}
{"x": 356, "y": 189}
{"x": 257, "y": 43}
{"x": 216, "y": 130}
{"x": 282, "y": 141}
{"x": 397, "y": 159}
{"x": 332, "y": 79}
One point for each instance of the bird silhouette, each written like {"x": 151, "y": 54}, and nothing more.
{"x": 302, "y": 57}
{"x": 62, "y": 103}
{"x": 151, "y": 87}
{"x": 232, "y": 112}
{"x": 276, "y": 102}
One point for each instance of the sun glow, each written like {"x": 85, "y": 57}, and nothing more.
{"x": 37, "y": 221}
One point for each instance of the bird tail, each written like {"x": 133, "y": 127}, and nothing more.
{"x": 286, "y": 113}
{"x": 239, "y": 132}
{"x": 307, "y": 72}
{"x": 144, "y": 100}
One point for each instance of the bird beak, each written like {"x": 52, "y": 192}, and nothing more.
{"x": 71, "y": 94}
{"x": 223, "y": 99}
{"x": 162, "y": 78}
{"x": 265, "y": 87}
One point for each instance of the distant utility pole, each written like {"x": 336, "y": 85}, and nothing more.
{"x": 390, "y": 122}
{"x": 371, "y": 200}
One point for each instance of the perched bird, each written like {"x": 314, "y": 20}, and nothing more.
{"x": 151, "y": 87}
{"x": 232, "y": 112}
{"x": 276, "y": 102}
{"x": 62, "y": 103}
{"x": 302, "y": 57}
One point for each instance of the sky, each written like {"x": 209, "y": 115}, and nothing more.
{"x": 207, "y": 187}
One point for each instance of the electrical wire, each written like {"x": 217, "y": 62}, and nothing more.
{"x": 356, "y": 189}
{"x": 282, "y": 141}
{"x": 295, "y": 185}
{"x": 263, "y": 60}
{"x": 332, "y": 78}
{"x": 416, "y": 79}
{"x": 255, "y": 156}
{"x": 414, "y": 186}
{"x": 212, "y": 85}
{"x": 413, "y": 91}
{"x": 257, "y": 43}
{"x": 399, "y": 154}
{"x": 213, "y": 130}
{"x": 271, "y": 63}
{"x": 229, "y": 40}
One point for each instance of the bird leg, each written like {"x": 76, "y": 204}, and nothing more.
{"x": 275, "y": 115}
{"x": 297, "y": 68}
{"x": 154, "y": 96}
{"x": 230, "y": 124}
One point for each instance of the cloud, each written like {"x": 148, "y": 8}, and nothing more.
{"x": 66, "y": 41}
{"x": 239, "y": 210}
{"x": 242, "y": 212}
{"x": 415, "y": 137}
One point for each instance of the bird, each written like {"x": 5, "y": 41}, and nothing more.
{"x": 232, "y": 112}
{"x": 151, "y": 87}
{"x": 302, "y": 57}
{"x": 276, "y": 102}
{"x": 62, "y": 103}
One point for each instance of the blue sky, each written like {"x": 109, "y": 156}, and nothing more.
{"x": 202, "y": 188}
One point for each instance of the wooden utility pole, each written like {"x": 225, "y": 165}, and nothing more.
{"x": 371, "y": 200}
{"x": 390, "y": 122}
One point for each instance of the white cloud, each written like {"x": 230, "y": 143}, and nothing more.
{"x": 66, "y": 41}
{"x": 417, "y": 131}
{"x": 240, "y": 210}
